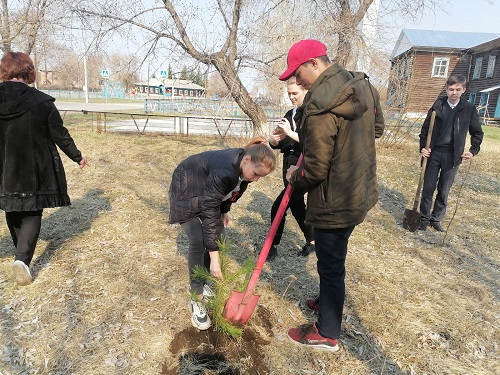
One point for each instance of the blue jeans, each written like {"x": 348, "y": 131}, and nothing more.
{"x": 331, "y": 250}
{"x": 439, "y": 173}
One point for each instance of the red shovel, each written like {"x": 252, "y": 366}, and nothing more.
{"x": 240, "y": 306}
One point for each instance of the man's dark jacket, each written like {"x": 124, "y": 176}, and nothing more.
{"x": 466, "y": 121}
{"x": 337, "y": 125}
{"x": 199, "y": 185}
{"x": 31, "y": 171}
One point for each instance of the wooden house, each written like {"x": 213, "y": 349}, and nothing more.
{"x": 164, "y": 88}
{"x": 421, "y": 62}
{"x": 484, "y": 79}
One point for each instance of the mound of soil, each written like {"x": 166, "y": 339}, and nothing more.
{"x": 211, "y": 352}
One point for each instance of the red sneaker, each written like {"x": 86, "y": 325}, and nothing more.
{"x": 313, "y": 304}
{"x": 308, "y": 334}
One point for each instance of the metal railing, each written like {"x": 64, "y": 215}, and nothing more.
{"x": 154, "y": 123}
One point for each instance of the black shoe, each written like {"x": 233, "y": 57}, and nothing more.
{"x": 307, "y": 249}
{"x": 273, "y": 253}
{"x": 423, "y": 225}
{"x": 437, "y": 226}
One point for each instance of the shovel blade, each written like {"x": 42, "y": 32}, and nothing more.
{"x": 411, "y": 220}
{"x": 239, "y": 308}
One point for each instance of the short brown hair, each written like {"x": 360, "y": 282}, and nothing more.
{"x": 453, "y": 80}
{"x": 17, "y": 65}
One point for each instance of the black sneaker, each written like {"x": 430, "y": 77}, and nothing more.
{"x": 273, "y": 253}
{"x": 423, "y": 225}
{"x": 307, "y": 249}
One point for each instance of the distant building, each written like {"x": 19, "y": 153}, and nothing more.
{"x": 421, "y": 62}
{"x": 164, "y": 87}
{"x": 484, "y": 79}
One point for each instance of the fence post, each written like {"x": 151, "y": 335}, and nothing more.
{"x": 99, "y": 122}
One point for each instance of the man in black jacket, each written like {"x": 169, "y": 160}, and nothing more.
{"x": 455, "y": 116}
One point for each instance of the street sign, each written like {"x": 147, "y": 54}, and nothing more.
{"x": 163, "y": 73}
{"x": 105, "y": 73}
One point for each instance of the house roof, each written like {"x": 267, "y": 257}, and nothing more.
{"x": 488, "y": 46}
{"x": 177, "y": 83}
{"x": 439, "y": 40}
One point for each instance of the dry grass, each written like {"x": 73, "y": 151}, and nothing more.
{"x": 110, "y": 289}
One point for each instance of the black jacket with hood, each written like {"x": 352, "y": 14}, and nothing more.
{"x": 337, "y": 125}
{"x": 31, "y": 171}
{"x": 199, "y": 185}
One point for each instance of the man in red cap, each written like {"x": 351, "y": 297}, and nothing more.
{"x": 337, "y": 126}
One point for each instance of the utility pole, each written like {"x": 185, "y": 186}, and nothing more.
{"x": 85, "y": 79}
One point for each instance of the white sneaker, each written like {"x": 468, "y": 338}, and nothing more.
{"x": 21, "y": 273}
{"x": 199, "y": 315}
{"x": 207, "y": 291}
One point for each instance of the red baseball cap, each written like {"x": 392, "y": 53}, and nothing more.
{"x": 300, "y": 53}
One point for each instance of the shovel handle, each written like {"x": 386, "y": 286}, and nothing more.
{"x": 424, "y": 162}
{"x": 270, "y": 236}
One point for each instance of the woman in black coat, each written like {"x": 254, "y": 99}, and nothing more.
{"x": 31, "y": 172}
{"x": 202, "y": 190}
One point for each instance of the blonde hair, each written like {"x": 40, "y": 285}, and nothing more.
{"x": 260, "y": 152}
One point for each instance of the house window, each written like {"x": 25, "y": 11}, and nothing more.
{"x": 472, "y": 97}
{"x": 491, "y": 66}
{"x": 440, "y": 67}
{"x": 483, "y": 102}
{"x": 477, "y": 68}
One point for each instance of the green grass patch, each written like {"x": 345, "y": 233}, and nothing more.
{"x": 492, "y": 133}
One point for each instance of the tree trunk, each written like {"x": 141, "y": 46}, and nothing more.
{"x": 240, "y": 94}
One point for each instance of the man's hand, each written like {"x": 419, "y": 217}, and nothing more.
{"x": 466, "y": 155}
{"x": 425, "y": 152}
{"x": 215, "y": 269}
{"x": 290, "y": 171}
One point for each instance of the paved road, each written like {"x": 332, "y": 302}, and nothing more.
{"x": 104, "y": 107}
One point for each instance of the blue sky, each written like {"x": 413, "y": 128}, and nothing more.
{"x": 462, "y": 15}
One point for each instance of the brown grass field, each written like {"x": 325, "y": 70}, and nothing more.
{"x": 110, "y": 282}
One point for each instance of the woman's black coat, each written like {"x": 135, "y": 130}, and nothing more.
{"x": 31, "y": 171}
{"x": 199, "y": 185}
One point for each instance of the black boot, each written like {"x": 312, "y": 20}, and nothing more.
{"x": 423, "y": 225}
{"x": 437, "y": 226}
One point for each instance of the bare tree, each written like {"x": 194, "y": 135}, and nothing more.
{"x": 178, "y": 28}
{"x": 216, "y": 86}
{"x": 21, "y": 22}
{"x": 234, "y": 35}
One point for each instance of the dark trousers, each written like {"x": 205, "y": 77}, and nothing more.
{"x": 331, "y": 250}
{"x": 197, "y": 254}
{"x": 24, "y": 227}
{"x": 298, "y": 208}
{"x": 439, "y": 173}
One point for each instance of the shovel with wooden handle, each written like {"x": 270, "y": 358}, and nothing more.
{"x": 240, "y": 305}
{"x": 412, "y": 217}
